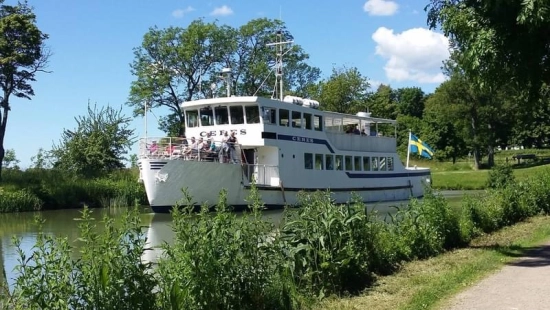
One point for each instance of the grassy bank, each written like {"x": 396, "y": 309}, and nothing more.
{"x": 41, "y": 189}
{"x": 427, "y": 284}
{"x": 221, "y": 261}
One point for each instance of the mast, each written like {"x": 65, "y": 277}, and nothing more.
{"x": 278, "y": 90}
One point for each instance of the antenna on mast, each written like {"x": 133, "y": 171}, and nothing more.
{"x": 279, "y": 65}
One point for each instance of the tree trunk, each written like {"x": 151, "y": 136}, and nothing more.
{"x": 3, "y": 121}
{"x": 490, "y": 155}
{"x": 477, "y": 158}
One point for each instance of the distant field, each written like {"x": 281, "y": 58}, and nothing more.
{"x": 461, "y": 176}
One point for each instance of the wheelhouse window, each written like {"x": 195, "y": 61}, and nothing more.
{"x": 318, "y": 122}
{"x": 390, "y": 163}
{"x": 307, "y": 121}
{"x": 296, "y": 119}
{"x": 252, "y": 114}
{"x": 329, "y": 162}
{"x": 318, "y": 161}
{"x": 349, "y": 163}
{"x": 382, "y": 164}
{"x": 308, "y": 161}
{"x": 357, "y": 163}
{"x": 207, "y": 116}
{"x": 283, "y": 117}
{"x": 366, "y": 163}
{"x": 269, "y": 115}
{"x": 192, "y": 118}
{"x": 237, "y": 115}
{"x": 222, "y": 115}
{"x": 339, "y": 162}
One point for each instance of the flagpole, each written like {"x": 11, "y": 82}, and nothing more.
{"x": 409, "y": 148}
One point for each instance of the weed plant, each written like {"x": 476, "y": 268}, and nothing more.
{"x": 18, "y": 200}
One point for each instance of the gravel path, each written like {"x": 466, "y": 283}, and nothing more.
{"x": 523, "y": 284}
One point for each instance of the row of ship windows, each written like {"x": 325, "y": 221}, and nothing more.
{"x": 236, "y": 115}
{"x": 347, "y": 162}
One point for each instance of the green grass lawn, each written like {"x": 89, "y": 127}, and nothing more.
{"x": 462, "y": 176}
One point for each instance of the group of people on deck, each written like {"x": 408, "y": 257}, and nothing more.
{"x": 204, "y": 148}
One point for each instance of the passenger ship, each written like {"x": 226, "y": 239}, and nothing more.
{"x": 285, "y": 146}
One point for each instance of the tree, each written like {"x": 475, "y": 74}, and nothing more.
{"x": 383, "y": 103}
{"x": 499, "y": 42}
{"x": 22, "y": 56}
{"x": 10, "y": 160}
{"x": 410, "y": 101}
{"x": 97, "y": 145}
{"x": 345, "y": 91}
{"x": 179, "y": 64}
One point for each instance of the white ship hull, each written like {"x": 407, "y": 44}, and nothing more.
{"x": 164, "y": 180}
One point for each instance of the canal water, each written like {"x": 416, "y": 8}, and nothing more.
{"x": 62, "y": 223}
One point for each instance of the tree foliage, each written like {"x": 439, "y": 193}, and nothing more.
{"x": 498, "y": 42}
{"x": 345, "y": 91}
{"x": 97, "y": 145}
{"x": 383, "y": 103}
{"x": 177, "y": 64}
{"x": 22, "y": 56}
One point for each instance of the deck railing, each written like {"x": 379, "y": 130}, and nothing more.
{"x": 202, "y": 149}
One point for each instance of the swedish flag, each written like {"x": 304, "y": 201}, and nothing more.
{"x": 420, "y": 147}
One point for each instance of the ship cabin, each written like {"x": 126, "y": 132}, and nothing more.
{"x": 292, "y": 133}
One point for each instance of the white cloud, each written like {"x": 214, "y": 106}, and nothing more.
{"x": 180, "y": 12}
{"x": 413, "y": 55}
{"x": 374, "y": 84}
{"x": 380, "y": 7}
{"x": 223, "y": 10}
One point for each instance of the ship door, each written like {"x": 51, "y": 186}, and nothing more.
{"x": 249, "y": 158}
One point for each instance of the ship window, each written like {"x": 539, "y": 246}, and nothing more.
{"x": 366, "y": 163}
{"x": 357, "y": 163}
{"x": 349, "y": 163}
{"x": 192, "y": 118}
{"x": 296, "y": 119}
{"x": 252, "y": 114}
{"x": 307, "y": 120}
{"x": 329, "y": 162}
{"x": 374, "y": 164}
{"x": 382, "y": 164}
{"x": 237, "y": 116}
{"x": 339, "y": 162}
{"x": 207, "y": 116}
{"x": 222, "y": 116}
{"x": 318, "y": 121}
{"x": 283, "y": 117}
{"x": 318, "y": 161}
{"x": 269, "y": 115}
{"x": 308, "y": 160}
{"x": 390, "y": 163}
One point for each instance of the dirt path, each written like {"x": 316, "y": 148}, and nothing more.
{"x": 523, "y": 284}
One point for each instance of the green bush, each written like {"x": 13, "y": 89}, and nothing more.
{"x": 108, "y": 274}
{"x": 18, "y": 200}
{"x": 500, "y": 176}
{"x": 223, "y": 261}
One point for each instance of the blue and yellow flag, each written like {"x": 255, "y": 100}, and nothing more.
{"x": 420, "y": 147}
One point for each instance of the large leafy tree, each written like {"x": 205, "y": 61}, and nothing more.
{"x": 22, "y": 56}
{"x": 170, "y": 63}
{"x": 383, "y": 103}
{"x": 179, "y": 64}
{"x": 97, "y": 145}
{"x": 499, "y": 41}
{"x": 345, "y": 91}
{"x": 410, "y": 101}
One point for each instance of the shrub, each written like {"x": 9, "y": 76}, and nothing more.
{"x": 223, "y": 261}
{"x": 18, "y": 200}
{"x": 500, "y": 176}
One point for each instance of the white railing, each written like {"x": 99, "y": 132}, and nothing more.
{"x": 202, "y": 149}
{"x": 266, "y": 175}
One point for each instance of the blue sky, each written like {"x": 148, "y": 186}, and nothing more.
{"x": 92, "y": 44}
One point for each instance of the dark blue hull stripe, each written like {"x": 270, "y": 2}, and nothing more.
{"x": 387, "y": 175}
